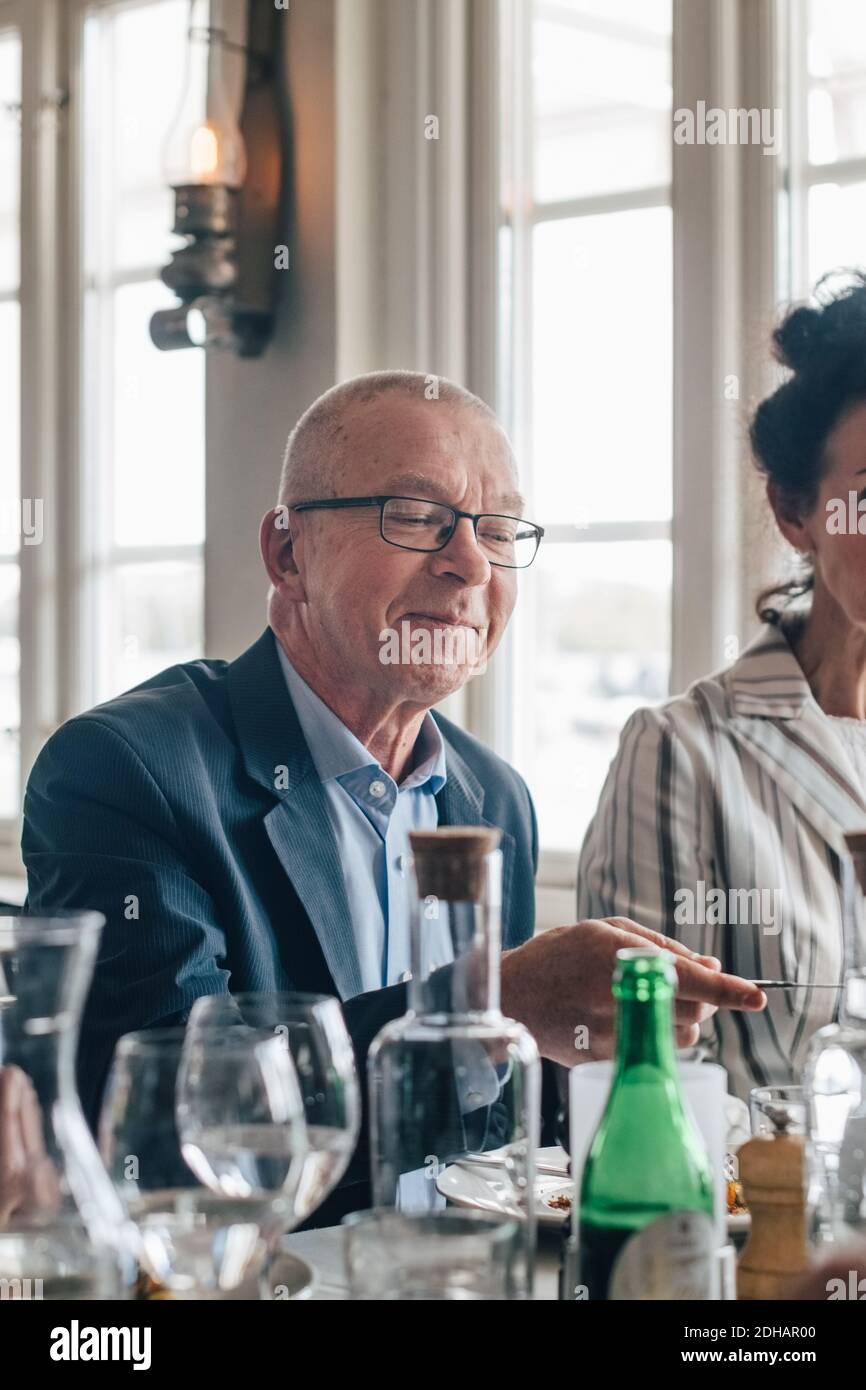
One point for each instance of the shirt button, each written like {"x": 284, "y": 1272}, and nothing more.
{"x": 377, "y": 788}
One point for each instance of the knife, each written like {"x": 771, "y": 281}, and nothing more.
{"x": 791, "y": 984}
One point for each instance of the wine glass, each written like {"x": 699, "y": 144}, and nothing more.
{"x": 205, "y": 1140}
{"x": 312, "y": 1028}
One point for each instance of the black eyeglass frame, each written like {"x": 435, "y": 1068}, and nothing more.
{"x": 336, "y": 503}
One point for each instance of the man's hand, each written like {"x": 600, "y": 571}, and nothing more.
{"x": 561, "y": 980}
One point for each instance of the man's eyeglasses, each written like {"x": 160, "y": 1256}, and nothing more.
{"x": 414, "y": 523}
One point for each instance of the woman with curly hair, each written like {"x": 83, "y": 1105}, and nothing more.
{"x": 722, "y": 817}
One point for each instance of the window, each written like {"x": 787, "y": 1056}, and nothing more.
{"x": 12, "y": 510}
{"x": 142, "y": 473}
{"x": 586, "y": 304}
{"x": 101, "y": 435}
{"x": 826, "y": 45}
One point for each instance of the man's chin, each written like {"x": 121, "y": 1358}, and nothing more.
{"x": 428, "y": 684}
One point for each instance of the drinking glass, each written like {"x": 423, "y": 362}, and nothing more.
{"x": 446, "y": 1255}
{"x": 205, "y": 1140}
{"x": 311, "y": 1028}
{"x": 775, "y": 1109}
{"x": 63, "y": 1233}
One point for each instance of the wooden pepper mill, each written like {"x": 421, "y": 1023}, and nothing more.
{"x": 772, "y": 1171}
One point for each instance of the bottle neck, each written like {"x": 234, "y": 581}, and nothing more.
{"x": 645, "y": 1035}
{"x": 455, "y": 959}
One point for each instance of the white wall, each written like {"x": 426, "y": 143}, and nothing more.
{"x": 252, "y": 405}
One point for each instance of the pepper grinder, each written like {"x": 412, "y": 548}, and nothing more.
{"x": 772, "y": 1171}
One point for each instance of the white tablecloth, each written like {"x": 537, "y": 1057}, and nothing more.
{"x": 323, "y": 1251}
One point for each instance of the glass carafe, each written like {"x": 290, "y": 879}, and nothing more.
{"x": 835, "y": 1079}
{"x": 454, "y": 1079}
{"x": 62, "y": 1229}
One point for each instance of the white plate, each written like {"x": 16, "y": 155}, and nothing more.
{"x": 481, "y": 1187}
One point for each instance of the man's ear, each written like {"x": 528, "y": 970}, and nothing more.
{"x": 277, "y": 546}
{"x": 790, "y": 520}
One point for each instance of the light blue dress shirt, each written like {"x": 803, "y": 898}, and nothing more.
{"x": 372, "y": 817}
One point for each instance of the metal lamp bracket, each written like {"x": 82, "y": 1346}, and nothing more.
{"x": 224, "y": 275}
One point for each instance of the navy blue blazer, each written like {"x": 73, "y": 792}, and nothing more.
{"x": 163, "y": 810}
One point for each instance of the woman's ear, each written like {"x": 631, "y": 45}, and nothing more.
{"x": 790, "y": 521}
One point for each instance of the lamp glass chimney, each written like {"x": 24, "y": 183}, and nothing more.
{"x": 204, "y": 145}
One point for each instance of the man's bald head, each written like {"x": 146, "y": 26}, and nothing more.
{"x": 319, "y": 447}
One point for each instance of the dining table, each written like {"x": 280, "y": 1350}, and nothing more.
{"x": 323, "y": 1251}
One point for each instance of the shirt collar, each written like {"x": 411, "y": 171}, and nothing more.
{"x": 335, "y": 750}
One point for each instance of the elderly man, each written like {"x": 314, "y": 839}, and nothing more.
{"x": 241, "y": 824}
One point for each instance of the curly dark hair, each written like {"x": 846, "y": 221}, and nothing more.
{"x": 824, "y": 345}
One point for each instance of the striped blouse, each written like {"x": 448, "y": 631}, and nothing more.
{"x": 720, "y": 823}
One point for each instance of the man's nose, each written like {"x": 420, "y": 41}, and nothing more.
{"x": 463, "y": 556}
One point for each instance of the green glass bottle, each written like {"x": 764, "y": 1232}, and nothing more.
{"x": 646, "y": 1201}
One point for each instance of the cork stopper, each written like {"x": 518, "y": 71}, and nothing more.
{"x": 855, "y": 842}
{"x": 449, "y": 862}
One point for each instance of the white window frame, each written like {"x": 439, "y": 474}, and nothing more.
{"x": 58, "y": 609}
{"x": 426, "y": 262}
{"x": 96, "y": 554}
{"x": 802, "y": 175}
{"x": 557, "y": 869}
{"x": 725, "y": 209}
{"x": 42, "y": 103}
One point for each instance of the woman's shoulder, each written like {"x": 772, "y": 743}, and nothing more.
{"x": 753, "y": 681}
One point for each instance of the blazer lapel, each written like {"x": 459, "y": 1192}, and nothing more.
{"x": 299, "y": 829}
{"x": 299, "y": 826}
{"x": 777, "y": 717}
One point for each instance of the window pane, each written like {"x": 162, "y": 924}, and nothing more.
{"x": 153, "y": 615}
{"x": 10, "y": 712}
{"x": 602, "y": 93}
{"x": 10, "y": 158}
{"x": 10, "y": 412}
{"x": 837, "y": 227}
{"x": 10, "y": 418}
{"x": 158, "y": 437}
{"x": 143, "y": 410}
{"x": 135, "y": 60}
{"x": 598, "y": 618}
{"x": 602, "y": 345}
{"x": 837, "y": 80}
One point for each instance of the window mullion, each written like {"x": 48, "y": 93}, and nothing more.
{"x": 43, "y": 79}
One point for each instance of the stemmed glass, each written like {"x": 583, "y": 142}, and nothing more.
{"x": 206, "y": 1145}
{"x": 312, "y": 1029}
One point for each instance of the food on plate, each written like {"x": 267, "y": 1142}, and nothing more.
{"x": 736, "y": 1202}
{"x": 561, "y": 1202}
